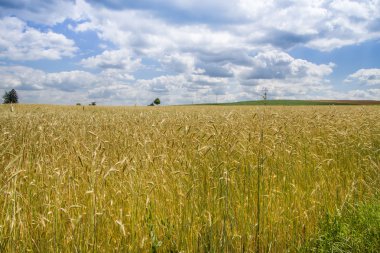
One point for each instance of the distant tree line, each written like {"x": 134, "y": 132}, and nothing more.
{"x": 90, "y": 104}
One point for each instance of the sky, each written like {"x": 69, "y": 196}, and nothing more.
{"x": 129, "y": 52}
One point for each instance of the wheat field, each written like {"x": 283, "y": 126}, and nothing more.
{"x": 180, "y": 179}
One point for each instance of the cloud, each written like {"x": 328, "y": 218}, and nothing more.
{"x": 21, "y": 77}
{"x": 176, "y": 89}
{"x": 119, "y": 76}
{"x": 180, "y": 11}
{"x": 21, "y": 42}
{"x": 321, "y": 25}
{"x": 149, "y": 36}
{"x": 74, "y": 84}
{"x": 215, "y": 69}
{"x": 70, "y": 81}
{"x": 152, "y": 25}
{"x": 368, "y": 77}
{"x": 182, "y": 49}
{"x": 113, "y": 93}
{"x": 273, "y": 64}
{"x": 116, "y": 59}
{"x": 117, "y": 87}
{"x": 26, "y": 78}
{"x": 48, "y": 12}
{"x": 163, "y": 84}
{"x": 286, "y": 39}
{"x": 178, "y": 63}
{"x": 370, "y": 94}
{"x": 283, "y": 75}
{"x": 156, "y": 30}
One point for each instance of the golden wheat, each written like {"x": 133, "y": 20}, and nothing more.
{"x": 180, "y": 179}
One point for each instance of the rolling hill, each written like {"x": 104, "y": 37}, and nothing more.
{"x": 301, "y": 102}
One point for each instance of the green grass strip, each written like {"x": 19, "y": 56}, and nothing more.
{"x": 356, "y": 229}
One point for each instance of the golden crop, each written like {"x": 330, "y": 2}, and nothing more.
{"x": 180, "y": 179}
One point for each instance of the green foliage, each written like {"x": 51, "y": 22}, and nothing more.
{"x": 157, "y": 101}
{"x": 357, "y": 229}
{"x": 10, "y": 97}
{"x": 155, "y": 243}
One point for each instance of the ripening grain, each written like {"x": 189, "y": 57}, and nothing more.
{"x": 117, "y": 179}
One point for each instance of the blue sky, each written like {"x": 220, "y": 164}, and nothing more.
{"x": 189, "y": 51}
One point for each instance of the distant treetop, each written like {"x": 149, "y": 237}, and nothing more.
{"x": 10, "y": 97}
{"x": 157, "y": 101}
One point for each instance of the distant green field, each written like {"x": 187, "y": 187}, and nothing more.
{"x": 302, "y": 102}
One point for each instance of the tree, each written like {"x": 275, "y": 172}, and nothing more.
{"x": 157, "y": 101}
{"x": 10, "y": 97}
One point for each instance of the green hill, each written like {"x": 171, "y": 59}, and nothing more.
{"x": 301, "y": 102}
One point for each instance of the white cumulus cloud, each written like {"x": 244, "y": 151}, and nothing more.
{"x": 115, "y": 59}
{"x": 18, "y": 41}
{"x": 370, "y": 77}
{"x": 277, "y": 65}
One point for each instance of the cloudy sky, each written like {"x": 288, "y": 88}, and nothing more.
{"x": 189, "y": 51}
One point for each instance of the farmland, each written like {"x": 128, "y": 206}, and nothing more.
{"x": 300, "y": 102}
{"x": 190, "y": 179}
